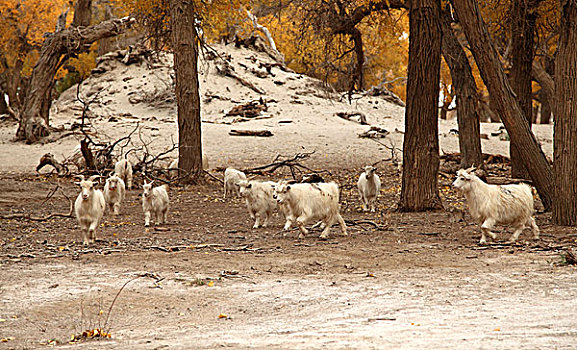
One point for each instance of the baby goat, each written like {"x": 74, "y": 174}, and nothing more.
{"x": 490, "y": 205}
{"x": 114, "y": 191}
{"x": 369, "y": 186}
{"x": 89, "y": 208}
{"x": 231, "y": 178}
{"x": 154, "y": 200}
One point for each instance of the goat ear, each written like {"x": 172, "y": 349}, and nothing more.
{"x": 81, "y": 177}
{"x": 144, "y": 182}
{"x": 151, "y": 182}
{"x": 77, "y": 183}
{"x": 288, "y": 187}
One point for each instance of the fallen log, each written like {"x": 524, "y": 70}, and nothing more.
{"x": 375, "y": 132}
{"x": 48, "y": 159}
{"x": 356, "y": 117}
{"x": 261, "y": 133}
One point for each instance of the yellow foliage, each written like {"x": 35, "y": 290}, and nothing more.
{"x": 85, "y": 62}
{"x": 22, "y": 26}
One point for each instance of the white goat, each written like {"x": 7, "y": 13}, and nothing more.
{"x": 310, "y": 203}
{"x": 114, "y": 191}
{"x": 173, "y": 166}
{"x": 259, "y": 200}
{"x": 123, "y": 169}
{"x": 497, "y": 204}
{"x": 231, "y": 178}
{"x": 285, "y": 208}
{"x": 89, "y": 208}
{"x": 155, "y": 200}
{"x": 369, "y": 186}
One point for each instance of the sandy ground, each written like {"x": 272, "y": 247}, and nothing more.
{"x": 301, "y": 115}
{"x": 416, "y": 281}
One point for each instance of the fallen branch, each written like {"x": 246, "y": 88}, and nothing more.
{"x": 43, "y": 218}
{"x": 366, "y": 222}
{"x": 375, "y": 132}
{"x": 290, "y": 163}
{"x": 261, "y": 133}
{"x": 356, "y": 117}
{"x": 214, "y": 177}
{"x": 48, "y": 159}
{"x": 228, "y": 71}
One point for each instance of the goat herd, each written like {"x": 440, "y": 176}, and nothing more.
{"x": 311, "y": 201}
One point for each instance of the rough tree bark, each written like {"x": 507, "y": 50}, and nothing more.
{"x": 468, "y": 117}
{"x": 565, "y": 126}
{"x": 419, "y": 190}
{"x": 523, "y": 25}
{"x": 504, "y": 98}
{"x": 185, "y": 47}
{"x": 56, "y": 48}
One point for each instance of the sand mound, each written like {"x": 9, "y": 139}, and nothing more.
{"x": 298, "y": 110}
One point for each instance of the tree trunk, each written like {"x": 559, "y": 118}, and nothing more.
{"x": 565, "y": 126}
{"x": 82, "y": 13}
{"x": 3, "y": 105}
{"x": 185, "y": 47}
{"x": 543, "y": 77}
{"x": 14, "y": 77}
{"x": 34, "y": 116}
{"x": 504, "y": 98}
{"x": 468, "y": 117}
{"x": 524, "y": 17}
{"x": 421, "y": 141}
{"x": 105, "y": 45}
{"x": 360, "y": 55}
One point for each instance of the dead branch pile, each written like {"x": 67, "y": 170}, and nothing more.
{"x": 250, "y": 109}
{"x": 386, "y": 95}
{"x": 293, "y": 163}
{"x": 375, "y": 132}
{"x": 496, "y": 159}
{"x": 132, "y": 55}
{"x": 356, "y": 117}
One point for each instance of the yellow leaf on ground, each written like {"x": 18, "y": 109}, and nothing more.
{"x": 223, "y": 316}
{"x": 211, "y": 284}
